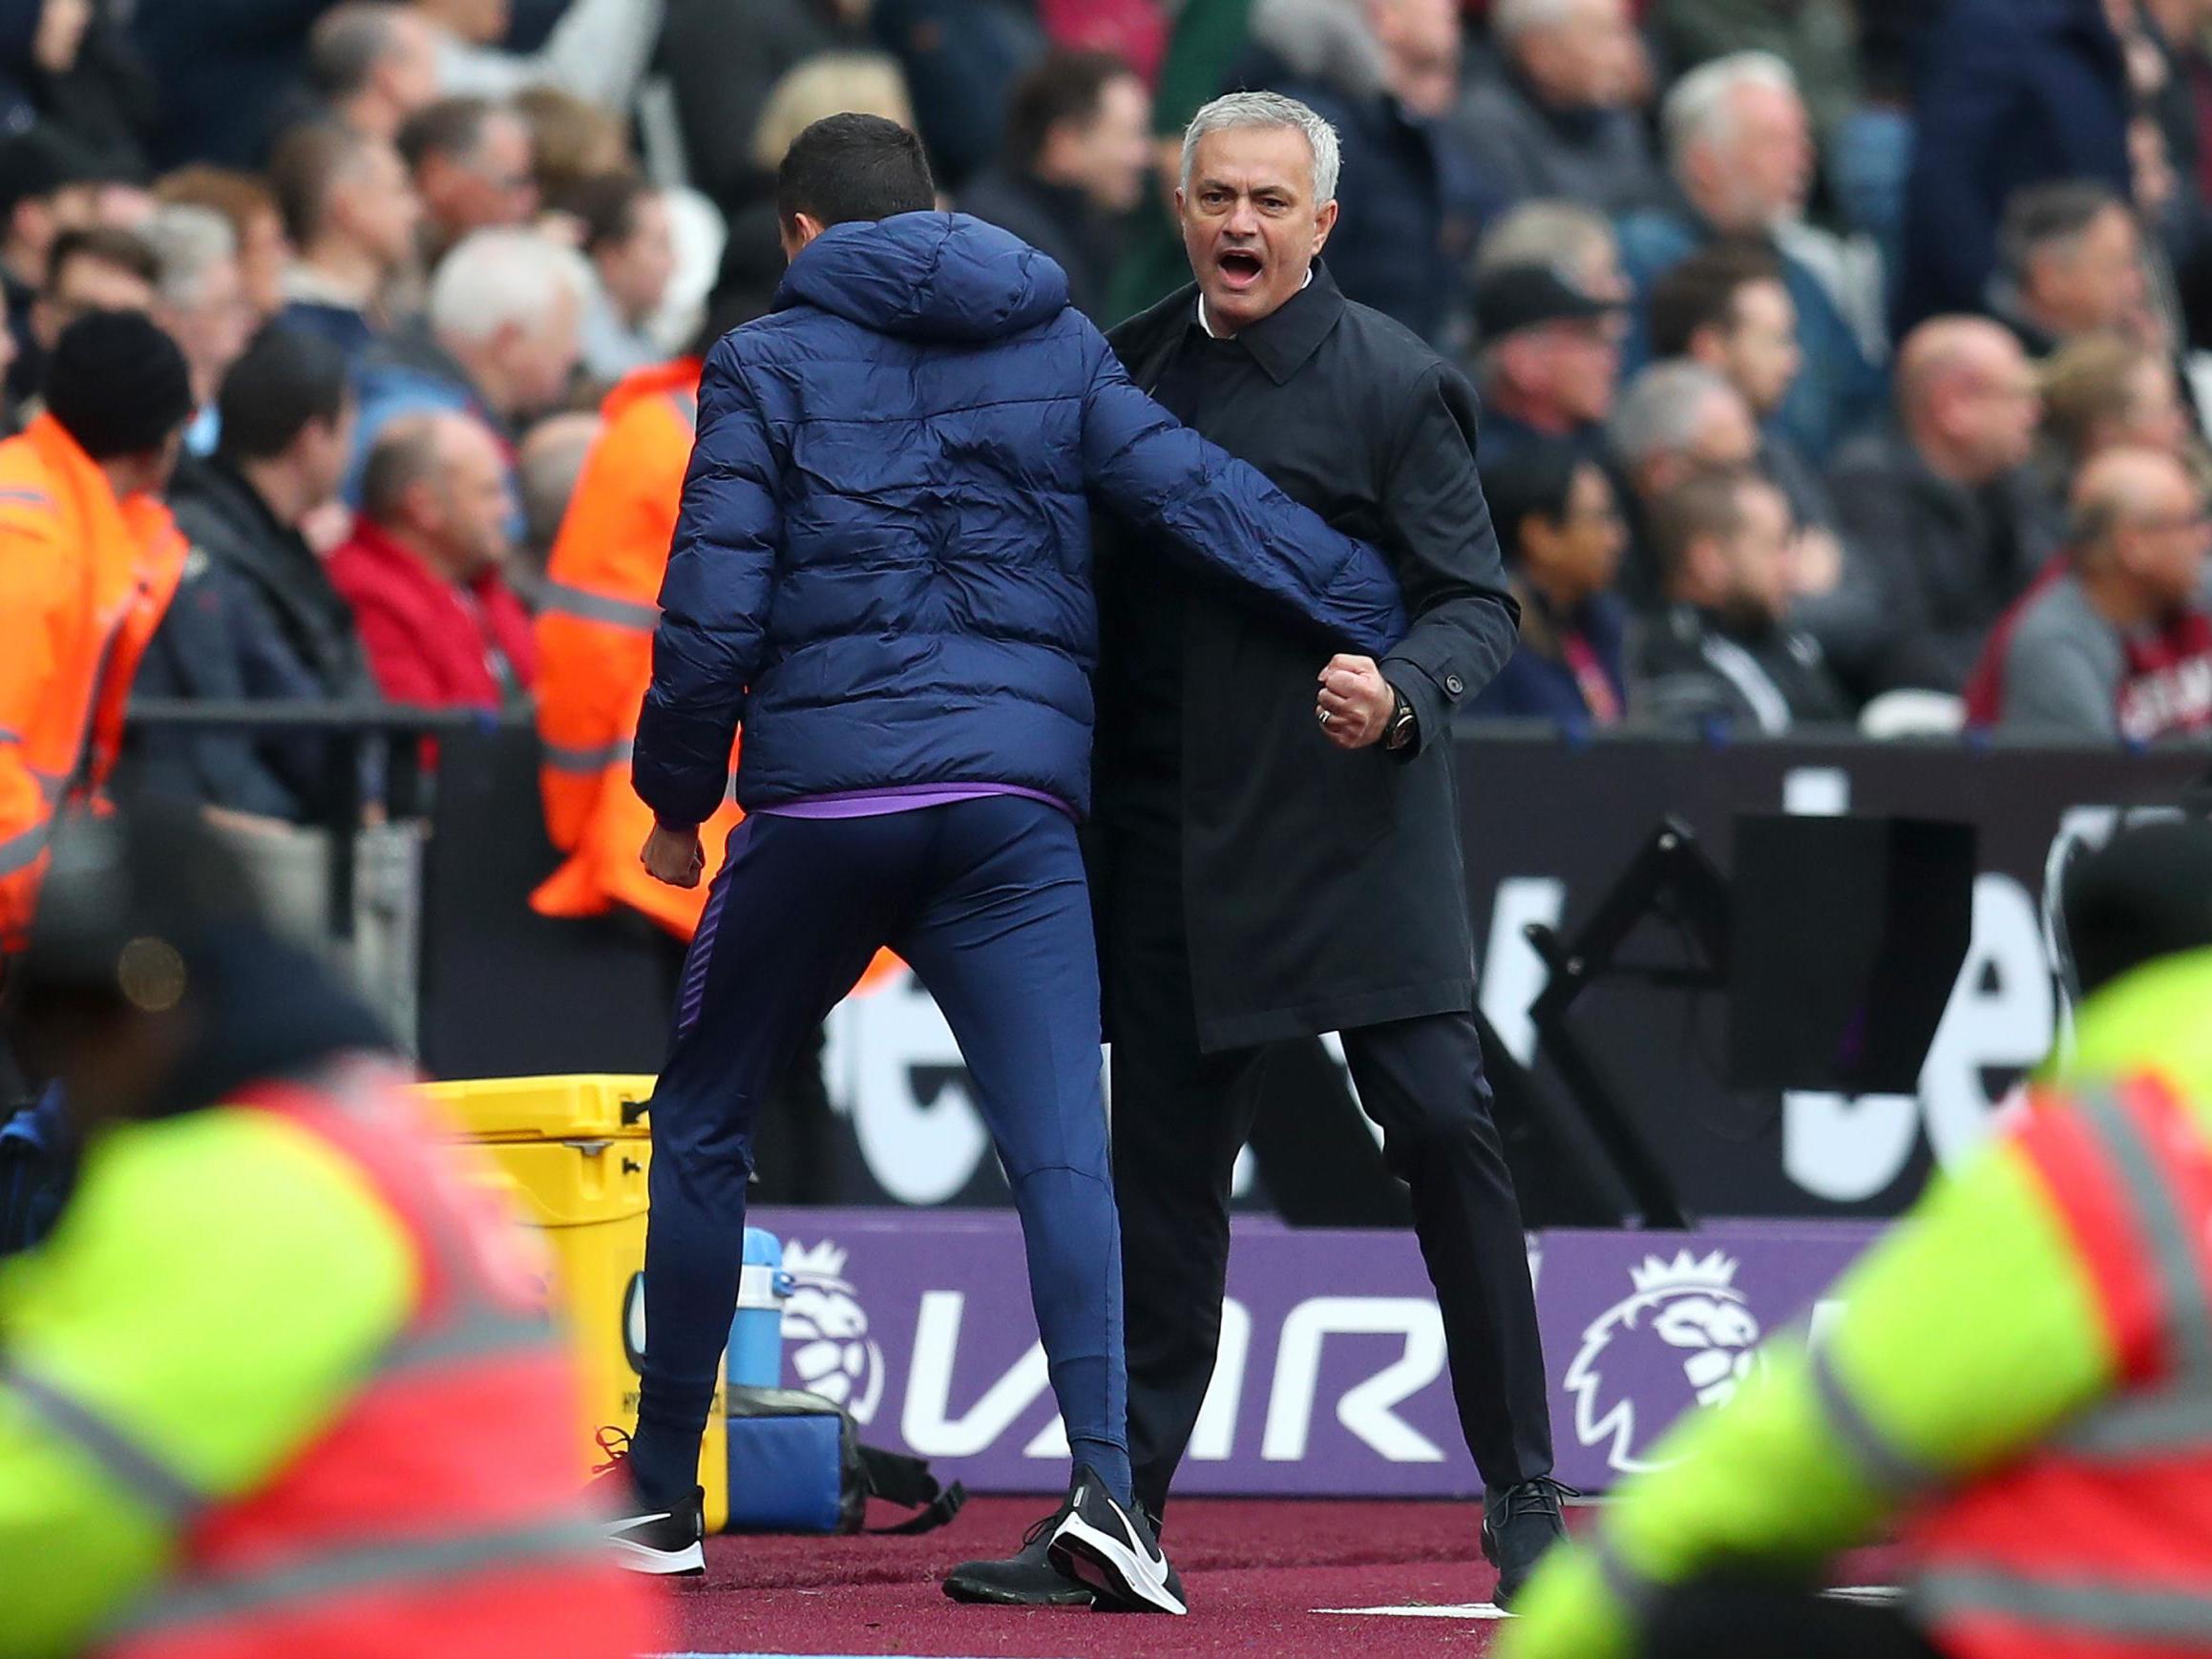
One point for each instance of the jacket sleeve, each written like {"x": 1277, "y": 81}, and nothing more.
{"x": 714, "y": 603}
{"x": 1466, "y": 620}
{"x": 169, "y": 1347}
{"x": 1916, "y": 1386}
{"x": 1226, "y": 518}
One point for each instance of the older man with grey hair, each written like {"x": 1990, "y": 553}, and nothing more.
{"x": 1279, "y": 858}
{"x": 199, "y": 301}
{"x": 1740, "y": 147}
{"x": 1674, "y": 420}
{"x": 500, "y": 340}
{"x": 1557, "y": 117}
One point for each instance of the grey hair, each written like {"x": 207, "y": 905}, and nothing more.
{"x": 188, "y": 242}
{"x": 1553, "y": 234}
{"x": 1698, "y": 104}
{"x": 496, "y": 278}
{"x": 1662, "y": 409}
{"x": 1511, "y": 19}
{"x": 1269, "y": 111}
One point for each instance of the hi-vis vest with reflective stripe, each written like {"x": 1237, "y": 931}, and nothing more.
{"x": 595, "y": 655}
{"x": 2099, "y": 1543}
{"x": 84, "y": 583}
{"x": 439, "y": 1514}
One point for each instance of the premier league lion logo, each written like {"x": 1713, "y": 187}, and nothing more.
{"x": 1685, "y": 1339}
{"x": 832, "y": 1354}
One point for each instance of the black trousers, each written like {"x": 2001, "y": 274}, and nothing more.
{"x": 1748, "y": 1619}
{"x": 1180, "y": 1117}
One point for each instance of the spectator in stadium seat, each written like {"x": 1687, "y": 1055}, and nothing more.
{"x": 473, "y": 166}
{"x": 1727, "y": 308}
{"x": 2010, "y": 94}
{"x": 1724, "y": 649}
{"x": 1077, "y": 162}
{"x": 200, "y": 300}
{"x": 2120, "y": 644}
{"x": 423, "y": 571}
{"x": 548, "y": 465}
{"x": 351, "y": 215}
{"x": 1949, "y": 518}
{"x": 1816, "y": 38}
{"x": 1549, "y": 361}
{"x": 1740, "y": 147}
{"x": 373, "y": 63}
{"x": 93, "y": 269}
{"x": 1385, "y": 74}
{"x": 47, "y": 185}
{"x": 630, "y": 242}
{"x": 571, "y": 143}
{"x": 499, "y": 340}
{"x": 2106, "y": 392}
{"x": 1561, "y": 530}
{"x": 255, "y": 617}
{"x": 1673, "y": 419}
{"x": 256, "y": 226}
{"x": 2070, "y": 261}
{"x": 1557, "y": 115}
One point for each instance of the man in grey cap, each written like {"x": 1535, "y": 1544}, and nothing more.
{"x": 1550, "y": 361}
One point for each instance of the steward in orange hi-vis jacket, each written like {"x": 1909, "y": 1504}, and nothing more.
{"x": 88, "y": 559}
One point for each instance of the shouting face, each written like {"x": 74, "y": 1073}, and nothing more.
{"x": 1251, "y": 224}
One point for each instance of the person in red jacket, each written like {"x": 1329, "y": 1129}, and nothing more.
{"x": 423, "y": 569}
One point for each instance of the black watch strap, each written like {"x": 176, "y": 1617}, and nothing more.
{"x": 1400, "y": 732}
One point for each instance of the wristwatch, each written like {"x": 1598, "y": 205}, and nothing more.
{"x": 1402, "y": 727}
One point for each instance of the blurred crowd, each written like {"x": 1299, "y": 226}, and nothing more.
{"x": 1838, "y": 358}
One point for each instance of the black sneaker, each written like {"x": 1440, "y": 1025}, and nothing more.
{"x": 662, "y": 1542}
{"x": 1114, "y": 1550}
{"x": 1518, "y": 1527}
{"x": 1024, "y": 1578}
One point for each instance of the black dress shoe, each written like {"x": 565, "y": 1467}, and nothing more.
{"x": 1518, "y": 1527}
{"x": 1024, "y": 1578}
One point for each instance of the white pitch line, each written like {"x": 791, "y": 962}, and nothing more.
{"x": 1464, "y": 1610}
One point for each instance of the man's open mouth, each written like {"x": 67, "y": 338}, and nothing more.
{"x": 1240, "y": 269}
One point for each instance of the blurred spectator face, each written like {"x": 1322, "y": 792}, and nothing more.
{"x": 1985, "y": 404}
{"x": 1586, "y": 62}
{"x": 2156, "y": 417}
{"x": 1107, "y": 158}
{"x": 469, "y": 502}
{"x": 211, "y": 328}
{"x": 2163, "y": 534}
{"x": 1758, "y": 352}
{"x": 405, "y": 78}
{"x": 1752, "y": 168}
{"x": 635, "y": 271}
{"x": 1569, "y": 370}
{"x": 1251, "y": 225}
{"x": 375, "y": 206}
{"x": 1421, "y": 52}
{"x": 83, "y": 284}
{"x": 326, "y": 453}
{"x": 536, "y": 364}
{"x": 493, "y": 187}
{"x": 1759, "y": 557}
{"x": 1577, "y": 557}
{"x": 2091, "y": 281}
{"x": 1726, "y": 435}
{"x": 480, "y": 22}
{"x": 263, "y": 254}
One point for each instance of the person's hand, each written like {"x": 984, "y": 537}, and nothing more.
{"x": 674, "y": 856}
{"x": 1355, "y": 702}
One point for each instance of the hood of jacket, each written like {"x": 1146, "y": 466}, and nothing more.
{"x": 927, "y": 276}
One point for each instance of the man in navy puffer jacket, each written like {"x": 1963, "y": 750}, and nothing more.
{"x": 883, "y": 570}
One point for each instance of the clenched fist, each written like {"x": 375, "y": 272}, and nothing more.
{"x": 674, "y": 856}
{"x": 1355, "y": 702}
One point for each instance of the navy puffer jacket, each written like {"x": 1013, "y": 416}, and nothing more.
{"x": 883, "y": 562}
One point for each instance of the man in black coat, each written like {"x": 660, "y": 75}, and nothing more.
{"x": 1262, "y": 874}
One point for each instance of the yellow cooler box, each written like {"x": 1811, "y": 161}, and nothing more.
{"x": 573, "y": 1151}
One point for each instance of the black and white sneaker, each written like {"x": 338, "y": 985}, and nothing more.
{"x": 1024, "y": 1578}
{"x": 663, "y": 1541}
{"x": 1114, "y": 1550}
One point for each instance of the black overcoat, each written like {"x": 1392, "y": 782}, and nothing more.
{"x": 1324, "y": 891}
